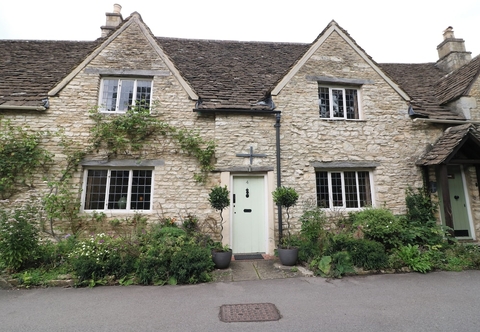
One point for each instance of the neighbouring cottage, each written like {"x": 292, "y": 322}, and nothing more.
{"x": 325, "y": 118}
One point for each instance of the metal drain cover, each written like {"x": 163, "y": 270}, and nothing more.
{"x": 253, "y": 312}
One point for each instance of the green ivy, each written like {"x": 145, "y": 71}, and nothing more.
{"x": 20, "y": 157}
{"x": 128, "y": 134}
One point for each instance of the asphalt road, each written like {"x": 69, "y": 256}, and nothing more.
{"x": 441, "y": 301}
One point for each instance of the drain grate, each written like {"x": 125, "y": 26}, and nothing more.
{"x": 253, "y": 312}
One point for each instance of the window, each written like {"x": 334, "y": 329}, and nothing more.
{"x": 117, "y": 189}
{"x": 118, "y": 95}
{"x": 343, "y": 189}
{"x": 338, "y": 103}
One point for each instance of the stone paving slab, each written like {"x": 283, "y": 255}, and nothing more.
{"x": 266, "y": 269}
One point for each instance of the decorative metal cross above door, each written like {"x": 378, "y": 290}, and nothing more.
{"x": 251, "y": 155}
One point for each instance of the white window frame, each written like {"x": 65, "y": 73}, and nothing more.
{"x": 342, "y": 176}
{"x": 101, "y": 101}
{"x": 344, "y": 104}
{"x": 107, "y": 189}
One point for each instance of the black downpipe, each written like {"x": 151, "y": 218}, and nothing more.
{"x": 279, "y": 175}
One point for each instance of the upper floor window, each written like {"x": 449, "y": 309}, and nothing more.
{"x": 338, "y": 103}
{"x": 117, "y": 189}
{"x": 119, "y": 94}
{"x": 343, "y": 189}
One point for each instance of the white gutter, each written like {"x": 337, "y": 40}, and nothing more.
{"x": 445, "y": 121}
{"x": 23, "y": 108}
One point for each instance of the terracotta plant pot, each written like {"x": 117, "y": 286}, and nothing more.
{"x": 222, "y": 259}
{"x": 288, "y": 256}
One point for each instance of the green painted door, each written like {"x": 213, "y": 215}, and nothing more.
{"x": 461, "y": 223}
{"x": 249, "y": 216}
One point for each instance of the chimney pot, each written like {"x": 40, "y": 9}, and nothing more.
{"x": 117, "y": 8}
{"x": 448, "y": 33}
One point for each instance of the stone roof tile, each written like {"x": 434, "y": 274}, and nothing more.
{"x": 29, "y": 69}
{"x": 447, "y": 143}
{"x": 231, "y": 73}
{"x": 458, "y": 83}
{"x": 419, "y": 81}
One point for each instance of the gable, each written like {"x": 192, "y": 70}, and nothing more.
{"x": 333, "y": 30}
{"x": 121, "y": 40}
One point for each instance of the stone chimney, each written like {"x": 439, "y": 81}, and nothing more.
{"x": 451, "y": 52}
{"x": 113, "y": 20}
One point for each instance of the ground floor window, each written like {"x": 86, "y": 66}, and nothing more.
{"x": 117, "y": 189}
{"x": 343, "y": 189}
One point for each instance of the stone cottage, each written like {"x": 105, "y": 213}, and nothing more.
{"x": 345, "y": 131}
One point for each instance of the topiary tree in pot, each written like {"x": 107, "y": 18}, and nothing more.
{"x": 219, "y": 200}
{"x": 286, "y": 197}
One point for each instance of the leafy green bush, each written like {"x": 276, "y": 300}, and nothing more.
{"x": 334, "y": 266}
{"x": 55, "y": 254}
{"x": 177, "y": 257}
{"x": 414, "y": 258}
{"x": 422, "y": 226}
{"x": 367, "y": 254}
{"x": 19, "y": 247}
{"x": 191, "y": 264}
{"x": 380, "y": 225}
{"x": 312, "y": 234}
{"x": 420, "y": 207}
{"x": 190, "y": 224}
{"x": 102, "y": 255}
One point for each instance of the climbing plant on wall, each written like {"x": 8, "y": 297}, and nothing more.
{"x": 129, "y": 133}
{"x": 21, "y": 156}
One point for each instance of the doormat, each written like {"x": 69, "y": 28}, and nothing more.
{"x": 247, "y": 256}
{"x": 253, "y": 312}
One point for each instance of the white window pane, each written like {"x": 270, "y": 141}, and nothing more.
{"x": 351, "y": 102}
{"x": 109, "y": 95}
{"x": 337, "y": 103}
{"x": 95, "y": 190}
{"x": 337, "y": 189}
{"x": 324, "y": 101}
{"x": 144, "y": 89}
{"x": 126, "y": 95}
{"x": 118, "y": 190}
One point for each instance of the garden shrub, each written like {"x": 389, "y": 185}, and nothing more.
{"x": 312, "y": 234}
{"x": 380, "y": 225}
{"x": 174, "y": 257}
{"x": 414, "y": 258}
{"x": 366, "y": 254}
{"x": 420, "y": 207}
{"x": 152, "y": 266}
{"x": 19, "y": 247}
{"x": 101, "y": 256}
{"x": 191, "y": 264}
{"x": 422, "y": 225}
{"x": 334, "y": 266}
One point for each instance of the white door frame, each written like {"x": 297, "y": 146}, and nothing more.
{"x": 226, "y": 179}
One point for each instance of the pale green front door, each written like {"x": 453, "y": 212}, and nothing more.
{"x": 249, "y": 214}
{"x": 458, "y": 200}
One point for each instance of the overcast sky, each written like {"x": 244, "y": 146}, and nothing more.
{"x": 406, "y": 31}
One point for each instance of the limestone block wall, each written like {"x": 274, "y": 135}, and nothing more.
{"x": 475, "y": 93}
